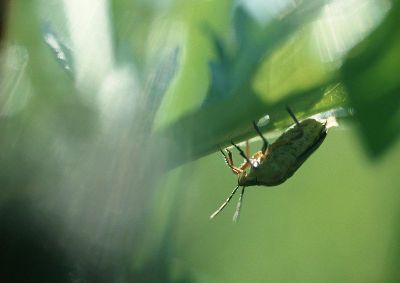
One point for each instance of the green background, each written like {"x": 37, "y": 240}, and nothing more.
{"x": 335, "y": 220}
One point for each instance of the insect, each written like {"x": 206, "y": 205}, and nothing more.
{"x": 275, "y": 162}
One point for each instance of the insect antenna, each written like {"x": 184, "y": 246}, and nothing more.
{"x": 224, "y": 204}
{"x": 238, "y": 206}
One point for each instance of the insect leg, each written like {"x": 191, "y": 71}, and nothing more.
{"x": 295, "y": 120}
{"x": 224, "y": 204}
{"x": 238, "y": 206}
{"x": 241, "y": 152}
{"x": 245, "y": 164}
{"x": 229, "y": 162}
{"x": 292, "y": 115}
{"x": 228, "y": 157}
{"x": 247, "y": 148}
{"x": 265, "y": 142}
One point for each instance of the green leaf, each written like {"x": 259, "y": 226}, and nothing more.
{"x": 371, "y": 76}
{"x": 232, "y": 102}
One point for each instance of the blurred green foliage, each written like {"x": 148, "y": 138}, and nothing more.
{"x": 370, "y": 74}
{"x": 109, "y": 113}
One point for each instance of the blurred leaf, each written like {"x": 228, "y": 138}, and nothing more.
{"x": 252, "y": 43}
{"x": 247, "y": 29}
{"x": 371, "y": 76}
{"x": 219, "y": 69}
{"x": 132, "y": 23}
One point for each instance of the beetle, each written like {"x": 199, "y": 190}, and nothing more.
{"x": 278, "y": 161}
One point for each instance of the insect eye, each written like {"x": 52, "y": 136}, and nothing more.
{"x": 255, "y": 163}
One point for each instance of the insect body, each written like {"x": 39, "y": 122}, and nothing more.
{"x": 275, "y": 162}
